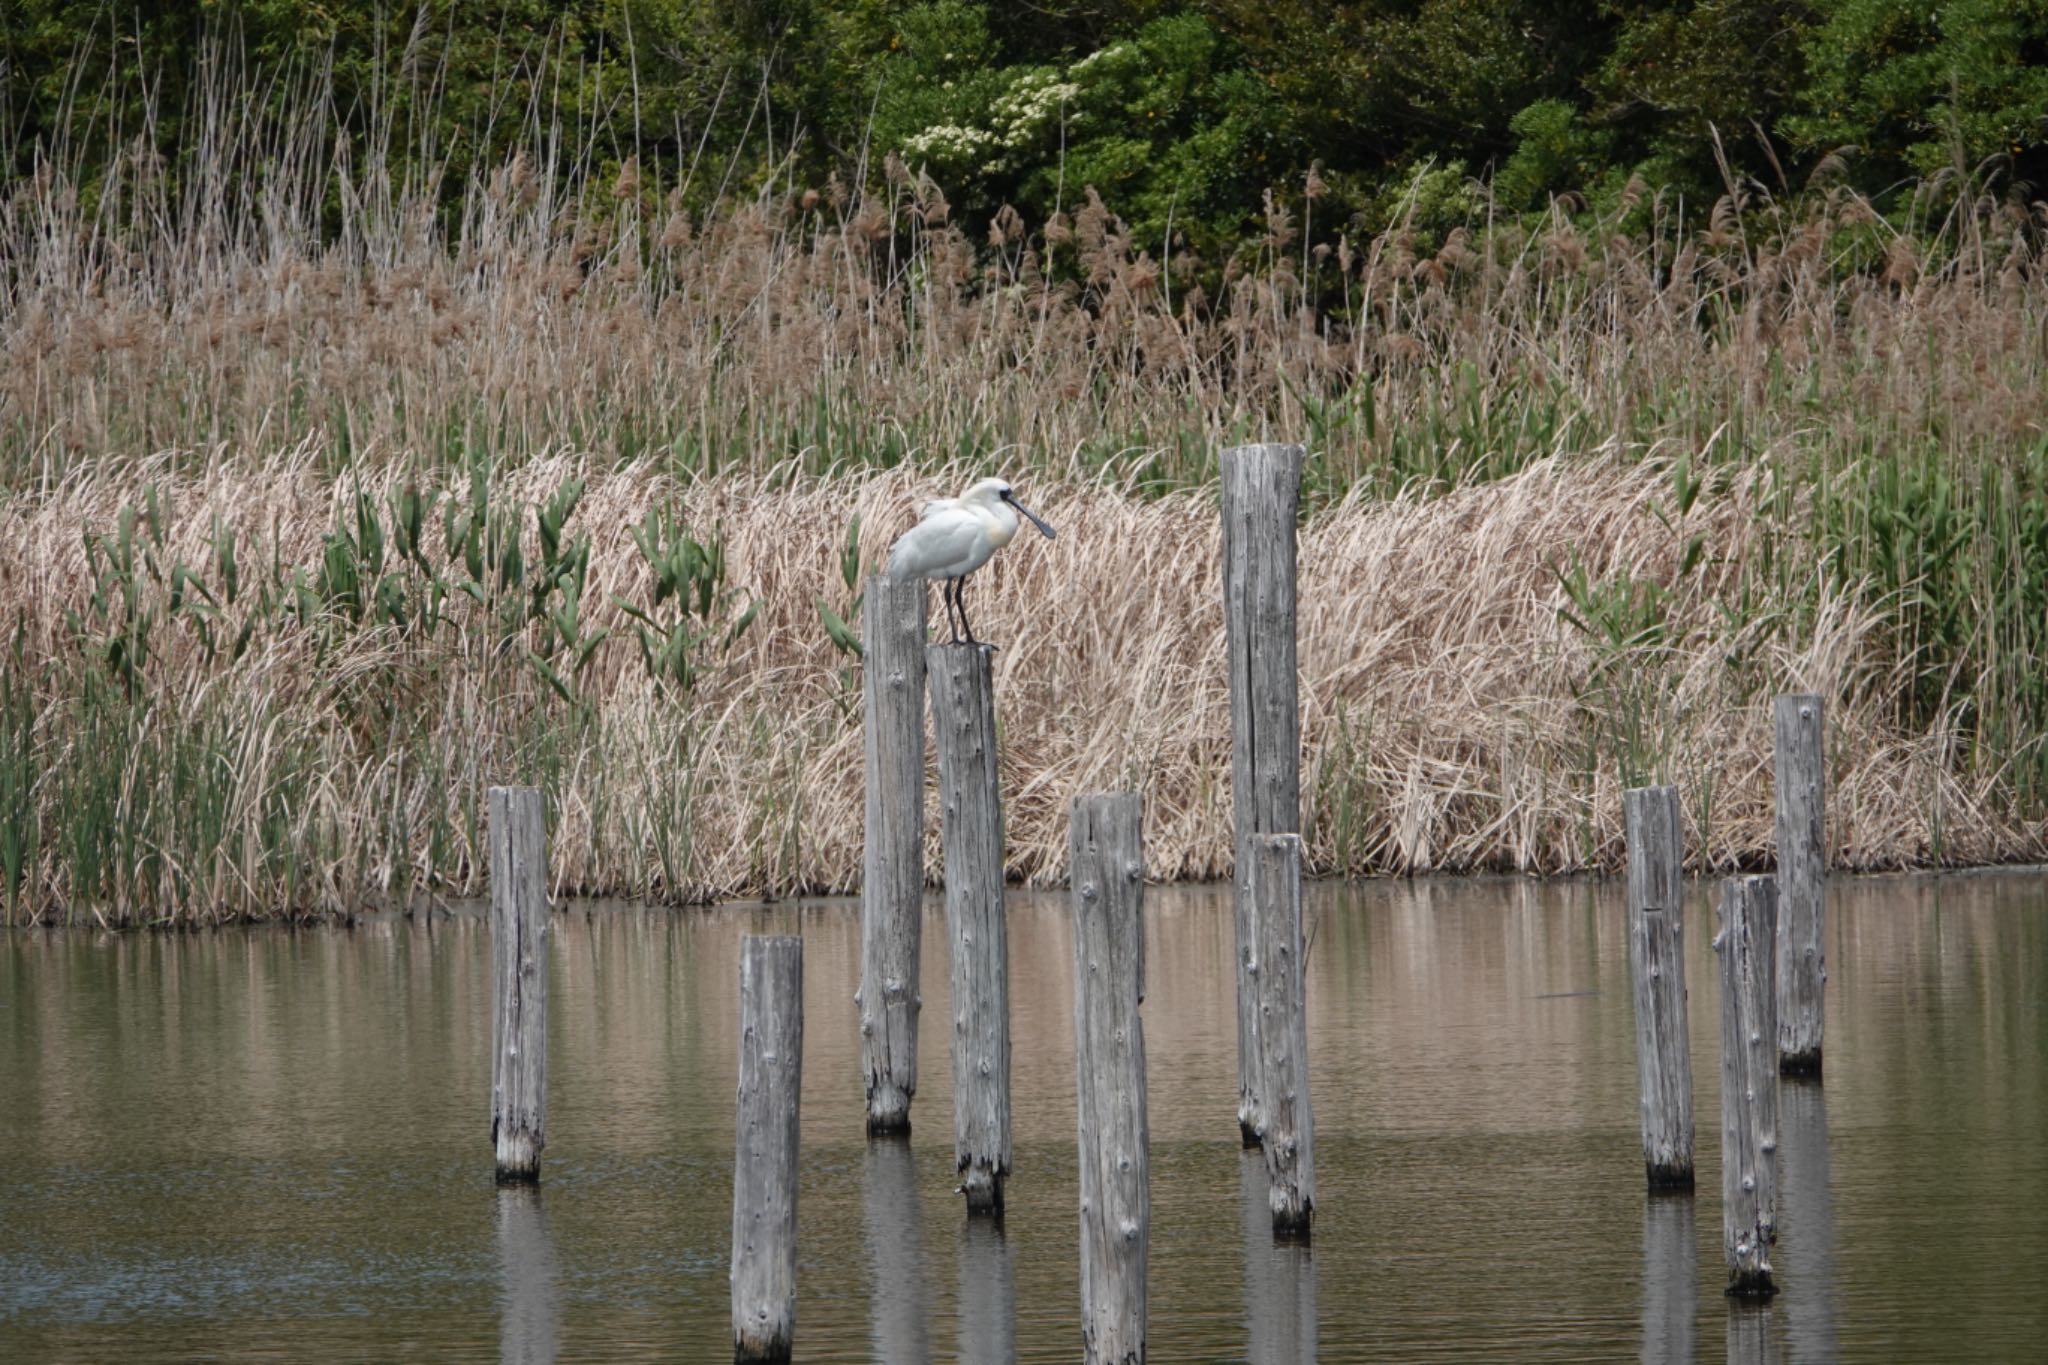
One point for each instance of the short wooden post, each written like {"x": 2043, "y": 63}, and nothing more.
{"x": 1802, "y": 881}
{"x": 518, "y": 836}
{"x": 1107, "y": 868}
{"x": 892, "y": 864}
{"x": 765, "y": 1147}
{"x": 964, "y": 720}
{"x": 1656, "y": 960}
{"x": 1280, "y": 1026}
{"x": 1747, "y": 944}
{"x": 1261, "y": 503}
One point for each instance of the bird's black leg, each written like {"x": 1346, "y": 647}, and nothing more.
{"x": 961, "y": 598}
{"x": 952, "y": 598}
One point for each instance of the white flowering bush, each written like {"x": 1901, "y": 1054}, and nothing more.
{"x": 1161, "y": 122}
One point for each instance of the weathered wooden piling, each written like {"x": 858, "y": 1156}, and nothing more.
{"x": 1656, "y": 960}
{"x": 1747, "y": 944}
{"x": 765, "y": 1147}
{"x": 971, "y": 816}
{"x": 1107, "y": 869}
{"x": 1280, "y": 1029}
{"x": 518, "y": 836}
{"x": 892, "y": 863}
{"x": 1799, "y": 722}
{"x": 1261, "y": 503}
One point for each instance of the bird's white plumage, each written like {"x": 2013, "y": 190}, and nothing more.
{"x": 956, "y": 536}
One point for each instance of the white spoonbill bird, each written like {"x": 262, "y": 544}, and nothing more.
{"x": 956, "y": 536}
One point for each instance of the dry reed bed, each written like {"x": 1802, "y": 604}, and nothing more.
{"x": 847, "y": 328}
{"x": 1453, "y": 719}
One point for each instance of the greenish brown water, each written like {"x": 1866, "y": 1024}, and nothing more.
{"x": 269, "y": 1144}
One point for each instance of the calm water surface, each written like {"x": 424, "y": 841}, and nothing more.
{"x": 273, "y": 1144}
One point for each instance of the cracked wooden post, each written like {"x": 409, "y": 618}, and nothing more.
{"x": 764, "y": 1182}
{"x": 1656, "y": 961}
{"x": 1280, "y": 1028}
{"x": 1107, "y": 870}
{"x": 892, "y": 863}
{"x": 1797, "y": 721}
{"x": 1747, "y": 944}
{"x": 971, "y": 814}
{"x": 518, "y": 837}
{"x": 1261, "y": 503}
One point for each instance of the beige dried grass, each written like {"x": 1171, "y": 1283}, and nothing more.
{"x": 1452, "y": 719}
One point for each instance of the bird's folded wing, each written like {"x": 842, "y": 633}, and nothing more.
{"x": 936, "y": 506}
{"x": 937, "y": 542}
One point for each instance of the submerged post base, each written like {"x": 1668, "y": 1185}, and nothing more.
{"x": 983, "y": 1187}
{"x": 767, "y": 1348}
{"x": 1752, "y": 1284}
{"x": 1292, "y": 1221}
{"x": 1669, "y": 1178}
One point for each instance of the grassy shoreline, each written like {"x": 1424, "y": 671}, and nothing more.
{"x": 313, "y": 531}
{"x": 1455, "y": 715}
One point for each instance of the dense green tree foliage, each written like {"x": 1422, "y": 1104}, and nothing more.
{"x": 1181, "y": 115}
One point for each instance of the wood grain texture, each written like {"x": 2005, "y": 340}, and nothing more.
{"x": 1280, "y": 1028}
{"x": 1799, "y": 724}
{"x": 519, "y": 979}
{"x": 1107, "y": 869}
{"x": 971, "y": 819}
{"x": 1747, "y": 945}
{"x": 766, "y": 1145}
{"x": 1656, "y": 961}
{"x": 1261, "y": 506}
{"x": 892, "y": 861}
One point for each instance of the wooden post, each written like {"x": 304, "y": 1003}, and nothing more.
{"x": 765, "y": 1147}
{"x": 1656, "y": 960}
{"x": 1280, "y": 1028}
{"x": 1107, "y": 868}
{"x": 1802, "y": 881}
{"x": 1261, "y": 503}
{"x": 518, "y": 835}
{"x": 1747, "y": 943}
{"x": 964, "y": 719}
{"x": 892, "y": 864}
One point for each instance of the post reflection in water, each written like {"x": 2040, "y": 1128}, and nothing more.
{"x": 529, "y": 1288}
{"x": 988, "y": 1294}
{"x": 225, "y": 1145}
{"x": 1806, "y": 1218}
{"x": 892, "y": 1222}
{"x": 1670, "y": 1278}
{"x": 1752, "y": 1339}
{"x": 1279, "y": 1280}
